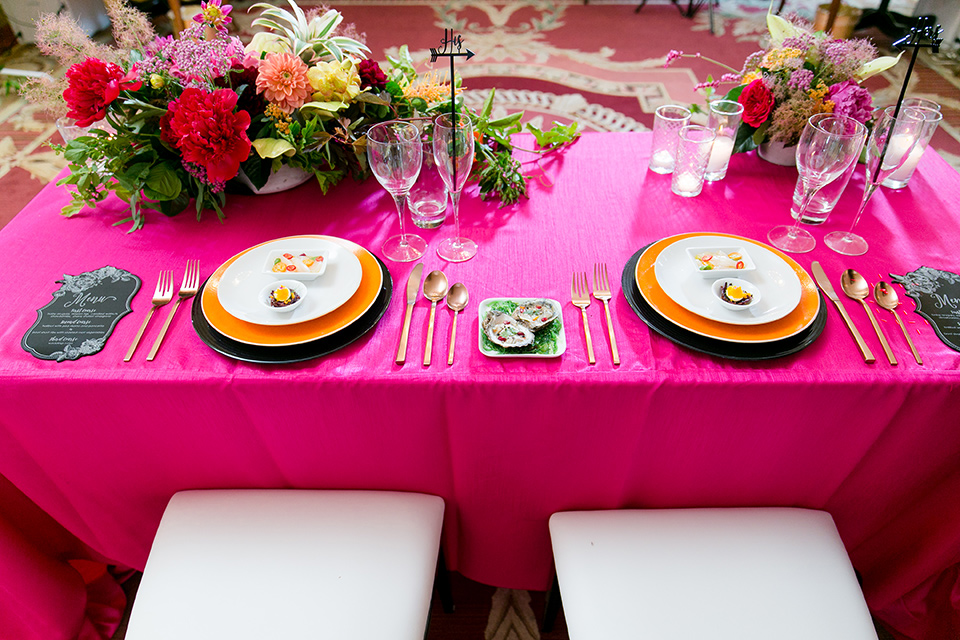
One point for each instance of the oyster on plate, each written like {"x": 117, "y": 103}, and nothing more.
{"x": 506, "y": 331}
{"x": 536, "y": 314}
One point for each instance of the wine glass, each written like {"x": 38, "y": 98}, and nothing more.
{"x": 453, "y": 152}
{"x": 828, "y": 145}
{"x": 395, "y": 153}
{"x": 894, "y": 137}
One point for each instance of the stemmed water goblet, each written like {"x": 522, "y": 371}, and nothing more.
{"x": 453, "y": 152}
{"x": 828, "y": 145}
{"x": 395, "y": 152}
{"x": 893, "y": 138}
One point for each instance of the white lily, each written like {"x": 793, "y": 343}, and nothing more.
{"x": 779, "y": 28}
{"x": 879, "y": 65}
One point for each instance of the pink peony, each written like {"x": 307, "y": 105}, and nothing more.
{"x": 204, "y": 128}
{"x": 850, "y": 99}
{"x": 283, "y": 80}
{"x": 94, "y": 84}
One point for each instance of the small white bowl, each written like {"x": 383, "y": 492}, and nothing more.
{"x": 305, "y": 276}
{"x": 747, "y": 287}
{"x": 294, "y": 285}
{"x": 716, "y": 272}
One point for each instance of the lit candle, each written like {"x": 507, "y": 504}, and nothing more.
{"x": 898, "y": 147}
{"x": 686, "y": 183}
{"x": 904, "y": 172}
{"x": 720, "y": 155}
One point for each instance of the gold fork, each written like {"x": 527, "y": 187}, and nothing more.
{"x": 601, "y": 291}
{"x": 161, "y": 296}
{"x": 188, "y": 289}
{"x": 581, "y": 298}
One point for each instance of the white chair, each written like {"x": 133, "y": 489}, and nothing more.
{"x": 291, "y": 564}
{"x": 743, "y": 574}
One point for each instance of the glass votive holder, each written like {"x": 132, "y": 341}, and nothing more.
{"x": 725, "y": 120}
{"x": 70, "y": 131}
{"x": 667, "y": 122}
{"x": 931, "y": 120}
{"x": 427, "y": 199}
{"x": 693, "y": 152}
{"x": 824, "y": 200}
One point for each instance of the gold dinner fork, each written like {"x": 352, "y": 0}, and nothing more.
{"x": 601, "y": 291}
{"x": 581, "y": 298}
{"x": 161, "y": 296}
{"x": 188, "y": 289}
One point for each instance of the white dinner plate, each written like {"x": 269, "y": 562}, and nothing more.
{"x": 779, "y": 285}
{"x": 242, "y": 281}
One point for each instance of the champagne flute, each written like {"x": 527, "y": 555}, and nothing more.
{"x": 453, "y": 152}
{"x": 828, "y": 145}
{"x": 395, "y": 153}
{"x": 894, "y": 137}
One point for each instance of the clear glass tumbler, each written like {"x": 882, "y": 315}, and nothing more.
{"x": 725, "y": 120}
{"x": 931, "y": 120}
{"x": 667, "y": 122}
{"x": 428, "y": 197}
{"x": 693, "y": 153}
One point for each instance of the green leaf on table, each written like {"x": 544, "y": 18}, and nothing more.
{"x": 558, "y": 136}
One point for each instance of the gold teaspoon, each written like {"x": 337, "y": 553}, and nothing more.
{"x": 434, "y": 290}
{"x": 857, "y": 288}
{"x": 886, "y": 297}
{"x": 457, "y": 300}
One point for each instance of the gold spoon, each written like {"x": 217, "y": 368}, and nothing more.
{"x": 857, "y": 288}
{"x": 457, "y": 300}
{"x": 434, "y": 289}
{"x": 886, "y": 297}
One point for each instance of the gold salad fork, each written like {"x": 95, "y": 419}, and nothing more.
{"x": 161, "y": 296}
{"x": 601, "y": 291}
{"x": 188, "y": 289}
{"x": 581, "y": 298}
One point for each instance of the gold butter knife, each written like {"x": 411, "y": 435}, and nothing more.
{"x": 824, "y": 282}
{"x": 413, "y": 288}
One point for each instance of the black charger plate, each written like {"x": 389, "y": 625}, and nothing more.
{"x": 711, "y": 346}
{"x": 298, "y": 352}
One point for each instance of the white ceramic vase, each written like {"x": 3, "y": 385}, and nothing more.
{"x": 285, "y": 178}
{"x": 777, "y": 153}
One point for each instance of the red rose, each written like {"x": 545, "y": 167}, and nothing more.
{"x": 757, "y": 103}
{"x": 94, "y": 84}
{"x": 204, "y": 127}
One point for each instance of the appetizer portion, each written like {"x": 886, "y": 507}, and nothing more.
{"x": 521, "y": 327}
{"x": 736, "y": 294}
{"x": 536, "y": 314}
{"x": 507, "y": 331}
{"x": 299, "y": 266}
{"x": 716, "y": 262}
{"x": 284, "y": 295}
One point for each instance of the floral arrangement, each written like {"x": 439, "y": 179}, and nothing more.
{"x": 176, "y": 119}
{"x": 799, "y": 74}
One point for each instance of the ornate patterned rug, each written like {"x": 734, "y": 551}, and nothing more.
{"x": 600, "y": 64}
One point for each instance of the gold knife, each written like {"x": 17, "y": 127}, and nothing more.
{"x": 824, "y": 282}
{"x": 413, "y": 288}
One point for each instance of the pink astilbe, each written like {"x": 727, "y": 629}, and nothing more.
{"x": 132, "y": 30}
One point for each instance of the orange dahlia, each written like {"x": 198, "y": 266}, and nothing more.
{"x": 283, "y": 80}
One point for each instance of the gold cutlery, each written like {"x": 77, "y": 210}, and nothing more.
{"x": 856, "y": 287}
{"x": 824, "y": 282}
{"x": 188, "y": 289}
{"x": 434, "y": 290}
{"x": 581, "y": 298}
{"x": 413, "y": 288}
{"x": 161, "y": 296}
{"x": 886, "y": 297}
{"x": 601, "y": 291}
{"x": 457, "y": 300}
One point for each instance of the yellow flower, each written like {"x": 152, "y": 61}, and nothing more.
{"x": 156, "y": 81}
{"x": 819, "y": 91}
{"x": 334, "y": 81}
{"x": 750, "y": 77}
{"x": 775, "y": 58}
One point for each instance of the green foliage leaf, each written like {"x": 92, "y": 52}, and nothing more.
{"x": 162, "y": 183}
{"x": 273, "y": 147}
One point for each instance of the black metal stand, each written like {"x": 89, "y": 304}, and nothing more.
{"x": 888, "y": 22}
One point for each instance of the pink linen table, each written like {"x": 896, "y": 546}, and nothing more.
{"x": 101, "y": 445}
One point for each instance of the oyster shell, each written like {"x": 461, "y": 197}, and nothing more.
{"x": 506, "y": 331}
{"x": 536, "y": 314}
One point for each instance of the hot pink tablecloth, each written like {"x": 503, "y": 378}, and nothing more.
{"x": 101, "y": 445}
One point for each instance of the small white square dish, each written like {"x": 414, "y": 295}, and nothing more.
{"x": 500, "y": 317}
{"x": 719, "y": 262}
{"x": 295, "y": 264}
